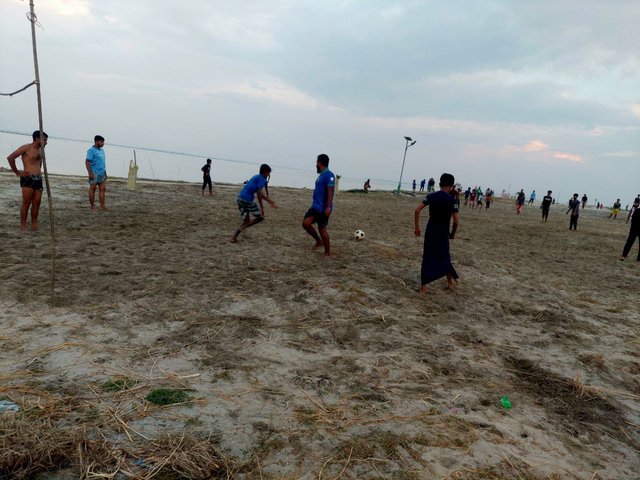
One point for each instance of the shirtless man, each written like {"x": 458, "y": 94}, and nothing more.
{"x": 30, "y": 178}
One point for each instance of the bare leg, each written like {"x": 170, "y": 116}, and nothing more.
{"x": 27, "y": 198}
{"x": 35, "y": 208}
{"x": 307, "y": 224}
{"x": 246, "y": 223}
{"x": 92, "y": 195}
{"x": 324, "y": 234}
{"x": 451, "y": 284}
{"x": 424, "y": 289}
{"x": 102, "y": 188}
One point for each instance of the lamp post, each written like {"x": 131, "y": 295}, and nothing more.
{"x": 406, "y": 147}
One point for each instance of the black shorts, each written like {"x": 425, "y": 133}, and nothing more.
{"x": 32, "y": 181}
{"x": 318, "y": 217}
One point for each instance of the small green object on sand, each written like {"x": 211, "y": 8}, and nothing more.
{"x": 166, "y": 396}
{"x": 505, "y": 402}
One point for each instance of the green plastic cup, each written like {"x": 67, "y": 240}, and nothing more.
{"x": 505, "y": 402}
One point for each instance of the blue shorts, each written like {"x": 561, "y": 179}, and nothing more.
{"x": 98, "y": 179}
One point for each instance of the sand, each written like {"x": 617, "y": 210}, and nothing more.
{"x": 302, "y": 367}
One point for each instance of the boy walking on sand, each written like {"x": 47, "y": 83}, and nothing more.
{"x": 436, "y": 257}
{"x": 30, "y": 178}
{"x": 547, "y": 200}
{"x": 96, "y": 167}
{"x": 206, "y": 177}
{"x": 574, "y": 208}
{"x": 615, "y": 210}
{"x": 322, "y": 205}
{"x": 520, "y": 202}
{"x": 246, "y": 200}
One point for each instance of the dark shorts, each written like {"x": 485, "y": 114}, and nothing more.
{"x": 318, "y": 217}
{"x": 32, "y": 181}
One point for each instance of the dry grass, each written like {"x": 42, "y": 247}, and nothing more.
{"x": 30, "y": 447}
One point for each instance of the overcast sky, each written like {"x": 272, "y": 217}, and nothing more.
{"x": 532, "y": 94}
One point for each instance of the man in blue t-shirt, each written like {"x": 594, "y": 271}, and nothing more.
{"x": 96, "y": 167}
{"x": 246, "y": 200}
{"x": 322, "y": 205}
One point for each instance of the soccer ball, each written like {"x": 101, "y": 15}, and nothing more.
{"x": 359, "y": 235}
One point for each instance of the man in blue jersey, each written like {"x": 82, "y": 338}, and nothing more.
{"x": 246, "y": 200}
{"x": 96, "y": 167}
{"x": 322, "y": 205}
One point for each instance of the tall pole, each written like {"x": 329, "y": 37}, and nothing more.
{"x": 402, "y": 169}
{"x": 33, "y": 19}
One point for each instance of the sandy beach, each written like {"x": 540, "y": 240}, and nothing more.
{"x": 298, "y": 367}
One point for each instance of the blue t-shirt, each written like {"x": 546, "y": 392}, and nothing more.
{"x": 325, "y": 180}
{"x": 96, "y": 158}
{"x": 252, "y": 186}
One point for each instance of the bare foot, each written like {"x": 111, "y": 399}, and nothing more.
{"x": 105, "y": 209}
{"x": 234, "y": 240}
{"x": 34, "y": 227}
{"x": 317, "y": 245}
{"x": 424, "y": 290}
{"x": 23, "y": 228}
{"x": 93, "y": 209}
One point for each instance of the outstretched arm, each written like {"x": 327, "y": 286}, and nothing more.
{"x": 417, "y": 219}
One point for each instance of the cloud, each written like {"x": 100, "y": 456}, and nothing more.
{"x": 635, "y": 108}
{"x": 567, "y": 156}
{"x": 540, "y": 151}
{"x": 68, "y": 8}
{"x": 532, "y": 146}
{"x": 623, "y": 154}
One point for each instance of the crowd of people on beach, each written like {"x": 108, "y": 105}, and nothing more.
{"x": 444, "y": 204}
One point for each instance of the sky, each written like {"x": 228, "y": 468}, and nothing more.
{"x": 505, "y": 94}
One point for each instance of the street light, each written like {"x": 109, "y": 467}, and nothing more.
{"x": 407, "y": 145}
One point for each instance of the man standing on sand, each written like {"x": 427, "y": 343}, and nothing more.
{"x": 634, "y": 232}
{"x": 532, "y": 198}
{"x": 246, "y": 200}
{"x": 615, "y": 210}
{"x": 422, "y": 184}
{"x": 96, "y": 167}
{"x": 414, "y": 186}
{"x": 520, "y": 201}
{"x": 488, "y": 198}
{"x": 436, "y": 257}
{"x": 574, "y": 208}
{"x": 584, "y": 200}
{"x": 206, "y": 177}
{"x": 547, "y": 200}
{"x": 322, "y": 205}
{"x": 30, "y": 178}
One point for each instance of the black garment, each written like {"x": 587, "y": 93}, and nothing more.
{"x": 436, "y": 257}
{"x": 206, "y": 180}
{"x": 573, "y": 222}
{"x": 634, "y": 232}
{"x": 206, "y": 177}
{"x": 318, "y": 217}
{"x": 32, "y": 181}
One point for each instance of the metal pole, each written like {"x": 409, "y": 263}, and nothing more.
{"x": 402, "y": 169}
{"x": 33, "y": 19}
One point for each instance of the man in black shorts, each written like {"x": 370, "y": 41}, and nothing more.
{"x": 322, "y": 205}
{"x": 30, "y": 178}
{"x": 206, "y": 177}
